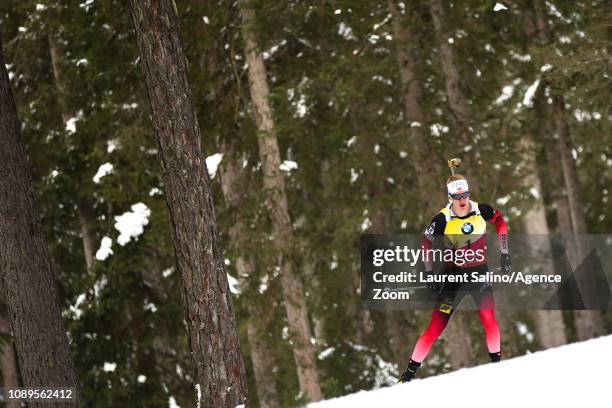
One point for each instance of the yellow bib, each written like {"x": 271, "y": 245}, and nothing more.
{"x": 462, "y": 232}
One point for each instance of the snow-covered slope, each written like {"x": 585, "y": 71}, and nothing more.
{"x": 576, "y": 375}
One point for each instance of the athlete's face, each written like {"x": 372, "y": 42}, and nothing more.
{"x": 462, "y": 205}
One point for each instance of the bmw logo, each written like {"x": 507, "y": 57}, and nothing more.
{"x": 467, "y": 228}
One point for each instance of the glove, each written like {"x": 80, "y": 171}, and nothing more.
{"x": 506, "y": 263}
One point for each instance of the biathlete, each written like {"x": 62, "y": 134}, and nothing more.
{"x": 462, "y": 224}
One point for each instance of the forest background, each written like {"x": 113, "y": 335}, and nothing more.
{"x": 367, "y": 101}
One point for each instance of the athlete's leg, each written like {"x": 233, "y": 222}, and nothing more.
{"x": 438, "y": 322}
{"x": 486, "y": 310}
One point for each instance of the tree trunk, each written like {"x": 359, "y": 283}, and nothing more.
{"x": 219, "y": 371}
{"x": 261, "y": 355}
{"x": 89, "y": 244}
{"x": 274, "y": 186}
{"x": 10, "y": 375}
{"x": 458, "y": 343}
{"x": 588, "y": 323}
{"x": 87, "y": 236}
{"x": 420, "y": 150}
{"x": 25, "y": 268}
{"x": 456, "y": 100}
{"x": 549, "y": 324}
{"x": 459, "y": 348}
{"x": 397, "y": 333}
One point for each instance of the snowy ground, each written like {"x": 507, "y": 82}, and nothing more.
{"x": 576, "y": 375}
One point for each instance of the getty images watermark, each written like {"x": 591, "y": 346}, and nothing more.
{"x": 547, "y": 272}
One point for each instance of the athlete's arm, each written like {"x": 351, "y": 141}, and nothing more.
{"x": 435, "y": 229}
{"x": 495, "y": 217}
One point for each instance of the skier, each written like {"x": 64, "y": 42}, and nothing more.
{"x": 462, "y": 224}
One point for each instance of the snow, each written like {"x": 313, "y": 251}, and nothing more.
{"x": 41, "y": 7}
{"x": 212, "y": 164}
{"x": 272, "y": 50}
{"x": 326, "y": 353}
{"x": 528, "y": 99}
{"x": 546, "y": 67}
{"x": 382, "y": 79}
{"x": 71, "y": 125}
{"x": 346, "y": 32}
{"x": 150, "y": 307}
{"x": 131, "y": 223}
{"x": 354, "y": 175}
{"x": 155, "y": 191}
{"x": 76, "y": 308}
{"x": 142, "y": 378}
{"x": 99, "y": 285}
{"x": 103, "y": 170}
{"x": 300, "y": 107}
{"x": 109, "y": 367}
{"x": 568, "y": 376}
{"x": 366, "y": 224}
{"x": 507, "y": 93}
{"x": 112, "y": 145}
{"x": 83, "y": 62}
{"x": 172, "y": 403}
{"x": 87, "y": 4}
{"x": 199, "y": 394}
{"x": 288, "y": 165}
{"x": 105, "y": 249}
{"x": 437, "y": 129}
{"x": 233, "y": 284}
{"x": 499, "y": 7}
{"x": 503, "y": 200}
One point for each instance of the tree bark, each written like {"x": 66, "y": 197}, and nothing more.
{"x": 549, "y": 324}
{"x": 588, "y": 323}
{"x": 10, "y": 375}
{"x": 459, "y": 350}
{"x": 261, "y": 355}
{"x": 219, "y": 371}
{"x": 456, "y": 99}
{"x": 420, "y": 150}
{"x": 25, "y": 268}
{"x": 274, "y": 186}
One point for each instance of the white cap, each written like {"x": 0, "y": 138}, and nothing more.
{"x": 458, "y": 185}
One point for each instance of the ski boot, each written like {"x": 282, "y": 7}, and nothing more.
{"x": 408, "y": 375}
{"x": 495, "y": 357}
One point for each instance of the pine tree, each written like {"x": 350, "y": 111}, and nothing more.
{"x": 26, "y": 271}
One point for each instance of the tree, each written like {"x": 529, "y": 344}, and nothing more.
{"x": 25, "y": 268}
{"x": 233, "y": 184}
{"x": 569, "y": 206}
{"x": 9, "y": 364}
{"x": 219, "y": 371}
{"x": 274, "y": 186}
